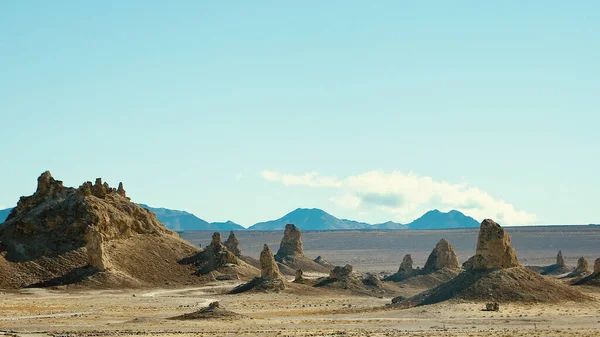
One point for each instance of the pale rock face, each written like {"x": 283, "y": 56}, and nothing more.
{"x": 95, "y": 249}
{"x": 291, "y": 244}
{"x": 494, "y": 249}
{"x": 442, "y": 256}
{"x": 560, "y": 260}
{"x": 268, "y": 266}
{"x": 406, "y": 267}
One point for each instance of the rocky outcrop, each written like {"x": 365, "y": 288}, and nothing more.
{"x": 64, "y": 235}
{"x": 494, "y": 273}
{"x": 291, "y": 244}
{"x": 270, "y": 278}
{"x": 597, "y": 266}
{"x": 560, "y": 260}
{"x": 299, "y": 276}
{"x": 442, "y": 256}
{"x": 582, "y": 266}
{"x": 406, "y": 267}
{"x": 233, "y": 245}
{"x": 494, "y": 249}
{"x": 214, "y": 256}
{"x": 291, "y": 254}
{"x": 320, "y": 260}
{"x": 268, "y": 266}
{"x": 95, "y": 248}
{"x": 341, "y": 273}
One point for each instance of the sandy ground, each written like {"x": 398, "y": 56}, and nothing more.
{"x": 43, "y": 312}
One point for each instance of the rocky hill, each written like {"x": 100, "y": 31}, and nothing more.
{"x": 91, "y": 236}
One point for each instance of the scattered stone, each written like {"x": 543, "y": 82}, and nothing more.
{"x": 232, "y": 244}
{"x": 442, "y": 256}
{"x": 494, "y": 306}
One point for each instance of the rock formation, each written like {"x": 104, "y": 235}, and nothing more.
{"x": 560, "y": 260}
{"x": 320, "y": 260}
{"x": 494, "y": 249}
{"x": 494, "y": 273}
{"x": 341, "y": 273}
{"x": 232, "y": 244}
{"x": 347, "y": 279}
{"x": 291, "y": 244}
{"x": 291, "y": 254}
{"x": 582, "y": 266}
{"x": 95, "y": 249}
{"x": 299, "y": 276}
{"x": 268, "y": 266}
{"x": 406, "y": 267}
{"x": 214, "y": 311}
{"x": 215, "y": 256}
{"x": 270, "y": 278}
{"x": 64, "y": 235}
{"x": 442, "y": 256}
{"x": 592, "y": 279}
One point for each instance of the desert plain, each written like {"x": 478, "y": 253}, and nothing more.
{"x": 70, "y": 311}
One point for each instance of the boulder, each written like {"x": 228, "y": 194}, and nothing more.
{"x": 442, "y": 256}
{"x": 291, "y": 244}
{"x": 232, "y": 244}
{"x": 560, "y": 260}
{"x": 494, "y": 249}
{"x": 597, "y": 266}
{"x": 268, "y": 266}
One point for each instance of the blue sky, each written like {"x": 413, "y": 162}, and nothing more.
{"x": 369, "y": 110}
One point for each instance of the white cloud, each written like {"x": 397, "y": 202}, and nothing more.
{"x": 407, "y": 196}
{"x": 312, "y": 179}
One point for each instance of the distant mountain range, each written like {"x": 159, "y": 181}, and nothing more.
{"x": 305, "y": 219}
{"x": 184, "y": 221}
{"x": 4, "y": 214}
{"x": 317, "y": 219}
